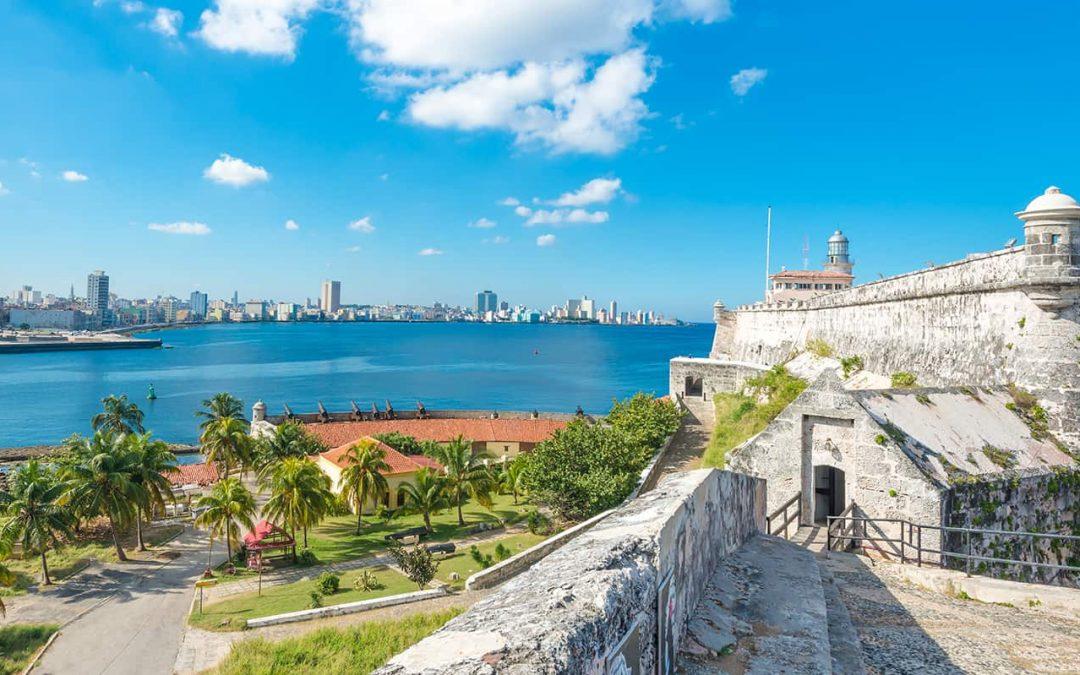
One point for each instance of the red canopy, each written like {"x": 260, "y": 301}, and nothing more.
{"x": 267, "y": 535}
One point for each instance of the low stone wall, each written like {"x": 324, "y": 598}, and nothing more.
{"x": 1045, "y": 502}
{"x": 346, "y": 608}
{"x": 599, "y": 592}
{"x": 717, "y": 376}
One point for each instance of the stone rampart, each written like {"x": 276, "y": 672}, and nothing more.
{"x": 600, "y": 591}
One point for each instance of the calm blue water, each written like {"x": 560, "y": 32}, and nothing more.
{"x": 45, "y": 397}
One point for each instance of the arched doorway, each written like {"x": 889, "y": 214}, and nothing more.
{"x": 828, "y": 492}
{"x": 693, "y": 387}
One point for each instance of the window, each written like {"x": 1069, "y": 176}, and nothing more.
{"x": 1055, "y": 239}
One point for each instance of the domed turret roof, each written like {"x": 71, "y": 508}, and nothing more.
{"x": 837, "y": 236}
{"x": 1052, "y": 199}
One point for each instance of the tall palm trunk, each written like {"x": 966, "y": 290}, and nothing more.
{"x": 460, "y": 518}
{"x": 228, "y": 542}
{"x": 210, "y": 554}
{"x": 305, "y": 535}
{"x": 45, "y": 580}
{"x": 427, "y": 520}
{"x": 138, "y": 529}
{"x": 120, "y": 555}
{"x": 360, "y": 510}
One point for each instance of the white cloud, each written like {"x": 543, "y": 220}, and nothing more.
{"x": 229, "y": 170}
{"x": 4, "y": 190}
{"x": 509, "y": 201}
{"x": 744, "y": 80}
{"x": 596, "y": 191}
{"x": 384, "y": 116}
{"x": 523, "y": 211}
{"x": 132, "y": 7}
{"x": 362, "y": 225}
{"x": 430, "y": 251}
{"x": 353, "y": 249}
{"x": 497, "y": 240}
{"x": 483, "y": 223}
{"x": 566, "y": 216}
{"x": 545, "y": 240}
{"x": 262, "y": 27}
{"x": 32, "y": 166}
{"x": 706, "y": 11}
{"x": 182, "y": 227}
{"x": 166, "y": 22}
{"x": 292, "y": 225}
{"x": 74, "y": 176}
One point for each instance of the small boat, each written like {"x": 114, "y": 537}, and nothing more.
{"x": 536, "y": 352}
{"x": 150, "y": 395}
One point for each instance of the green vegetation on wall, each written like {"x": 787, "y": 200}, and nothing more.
{"x": 741, "y": 416}
{"x": 903, "y": 379}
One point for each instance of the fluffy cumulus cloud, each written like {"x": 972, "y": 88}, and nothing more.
{"x": 565, "y": 216}
{"x": 292, "y": 225}
{"x": 483, "y": 223}
{"x": 182, "y": 227}
{"x": 430, "y": 251}
{"x": 72, "y": 176}
{"x": 166, "y": 22}
{"x": 571, "y": 205}
{"x": 545, "y": 240}
{"x": 596, "y": 191}
{"x": 745, "y": 80}
{"x": 229, "y": 170}
{"x": 362, "y": 225}
{"x": 264, "y": 27}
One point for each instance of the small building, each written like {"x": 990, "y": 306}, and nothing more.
{"x": 794, "y": 285}
{"x": 192, "y": 475}
{"x": 403, "y": 469}
{"x": 268, "y": 541}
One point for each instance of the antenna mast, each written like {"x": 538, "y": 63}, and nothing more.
{"x": 806, "y": 252}
{"x": 768, "y": 243}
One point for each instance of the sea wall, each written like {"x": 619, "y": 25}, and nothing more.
{"x": 596, "y": 598}
{"x": 971, "y": 322}
{"x": 1046, "y": 502}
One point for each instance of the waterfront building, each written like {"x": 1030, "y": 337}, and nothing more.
{"x": 97, "y": 292}
{"x": 587, "y": 308}
{"x": 330, "y": 298}
{"x": 255, "y": 309}
{"x": 613, "y": 311}
{"x": 52, "y": 319}
{"x": 235, "y": 298}
{"x": 573, "y": 308}
{"x": 198, "y": 304}
{"x": 286, "y": 311}
{"x": 486, "y": 301}
{"x": 168, "y": 310}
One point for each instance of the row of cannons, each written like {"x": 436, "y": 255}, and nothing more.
{"x": 375, "y": 413}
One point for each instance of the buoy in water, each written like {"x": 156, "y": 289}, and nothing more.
{"x": 150, "y": 395}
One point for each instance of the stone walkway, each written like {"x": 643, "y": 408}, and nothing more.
{"x": 689, "y": 443}
{"x": 903, "y": 628}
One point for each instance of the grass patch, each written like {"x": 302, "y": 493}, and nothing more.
{"x": 94, "y": 545}
{"x": 231, "y": 614}
{"x": 359, "y": 649}
{"x": 740, "y": 416}
{"x": 819, "y": 347}
{"x": 18, "y": 642}
{"x": 462, "y": 562}
{"x": 903, "y": 379}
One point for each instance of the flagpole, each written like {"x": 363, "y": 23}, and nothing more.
{"x": 768, "y": 242}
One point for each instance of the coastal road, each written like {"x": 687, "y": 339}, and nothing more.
{"x": 136, "y": 621}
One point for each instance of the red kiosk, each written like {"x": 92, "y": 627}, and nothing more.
{"x": 267, "y": 538}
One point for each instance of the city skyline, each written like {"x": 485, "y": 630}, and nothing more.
{"x": 160, "y": 157}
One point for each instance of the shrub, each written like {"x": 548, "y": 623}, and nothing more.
{"x": 328, "y": 583}
{"x": 646, "y": 419}
{"x": 316, "y": 600}
{"x": 484, "y": 561}
{"x": 502, "y": 552}
{"x": 851, "y": 365}
{"x": 538, "y": 523}
{"x": 880, "y": 439}
{"x": 306, "y": 558}
{"x": 903, "y": 379}
{"x": 366, "y": 581}
{"x": 418, "y": 564}
{"x": 407, "y": 445}
{"x": 819, "y": 347}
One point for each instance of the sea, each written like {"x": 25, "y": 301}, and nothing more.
{"x": 45, "y": 397}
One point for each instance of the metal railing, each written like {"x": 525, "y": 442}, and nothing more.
{"x": 788, "y": 515}
{"x": 909, "y": 545}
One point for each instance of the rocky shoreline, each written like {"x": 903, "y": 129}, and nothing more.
{"x": 23, "y": 453}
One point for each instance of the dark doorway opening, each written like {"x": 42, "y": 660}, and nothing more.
{"x": 828, "y": 492}
{"x": 693, "y": 387}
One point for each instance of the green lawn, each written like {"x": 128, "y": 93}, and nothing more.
{"x": 18, "y": 642}
{"x": 335, "y": 540}
{"x": 359, "y": 649}
{"x": 463, "y": 563}
{"x": 77, "y": 554}
{"x": 234, "y": 611}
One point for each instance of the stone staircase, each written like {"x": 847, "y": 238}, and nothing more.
{"x": 770, "y": 608}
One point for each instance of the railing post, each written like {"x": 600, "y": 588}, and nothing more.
{"x": 903, "y": 558}
{"x": 918, "y": 547}
{"x": 967, "y": 567}
{"x": 828, "y": 535}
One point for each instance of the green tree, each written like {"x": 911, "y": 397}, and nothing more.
{"x": 363, "y": 476}
{"x": 510, "y": 478}
{"x": 104, "y": 484}
{"x": 34, "y": 521}
{"x": 406, "y": 445}
{"x": 289, "y": 439}
{"x": 118, "y": 415}
{"x": 300, "y": 495}
{"x": 646, "y": 419}
{"x": 226, "y": 441}
{"x": 228, "y": 506}
{"x": 426, "y": 494}
{"x": 152, "y": 459}
{"x": 218, "y": 407}
{"x": 466, "y": 475}
{"x": 418, "y": 564}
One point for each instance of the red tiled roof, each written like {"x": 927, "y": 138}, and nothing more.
{"x": 192, "y": 474}
{"x": 811, "y": 274}
{"x": 398, "y": 462}
{"x": 440, "y": 430}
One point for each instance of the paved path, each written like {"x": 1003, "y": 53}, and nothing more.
{"x": 690, "y": 441}
{"x": 907, "y": 629}
{"x": 123, "y": 618}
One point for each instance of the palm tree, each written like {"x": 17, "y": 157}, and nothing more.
{"x": 219, "y": 406}
{"x": 226, "y": 441}
{"x": 363, "y": 477}
{"x": 34, "y": 520}
{"x": 6, "y": 579}
{"x": 426, "y": 494}
{"x": 289, "y": 439}
{"x": 299, "y": 494}
{"x": 466, "y": 475}
{"x": 152, "y": 459}
{"x": 228, "y": 506}
{"x": 118, "y": 415}
{"x": 104, "y": 484}
{"x": 510, "y": 478}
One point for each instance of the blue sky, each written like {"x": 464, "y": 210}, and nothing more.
{"x": 196, "y": 129}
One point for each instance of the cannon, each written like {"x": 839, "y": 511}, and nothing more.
{"x": 356, "y": 414}
{"x": 323, "y": 415}
{"x": 288, "y": 412}
{"x": 421, "y": 411}
{"x": 390, "y": 415}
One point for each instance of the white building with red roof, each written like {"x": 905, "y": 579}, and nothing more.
{"x": 402, "y": 469}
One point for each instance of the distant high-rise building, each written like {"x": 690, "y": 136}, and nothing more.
{"x": 486, "y": 301}
{"x": 255, "y": 309}
{"x": 235, "y": 298}
{"x": 97, "y": 292}
{"x": 613, "y": 311}
{"x": 573, "y": 308}
{"x": 72, "y": 298}
{"x": 588, "y": 308}
{"x": 330, "y": 299}
{"x": 199, "y": 304}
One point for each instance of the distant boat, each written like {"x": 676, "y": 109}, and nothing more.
{"x": 536, "y": 352}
